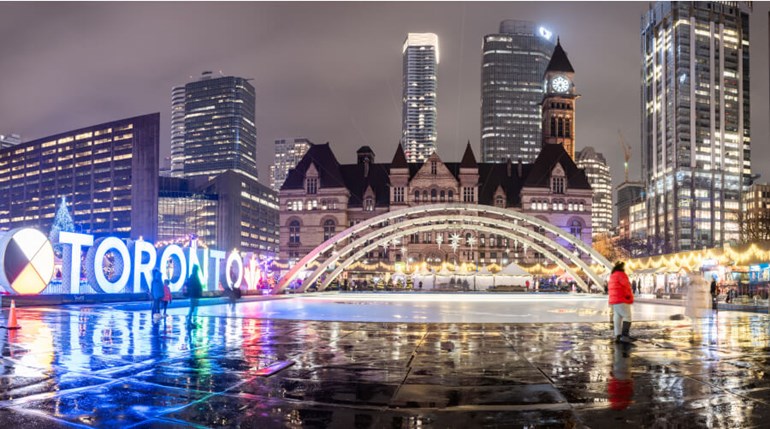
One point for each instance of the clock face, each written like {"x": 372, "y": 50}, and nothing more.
{"x": 560, "y": 84}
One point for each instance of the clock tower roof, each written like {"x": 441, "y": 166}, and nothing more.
{"x": 559, "y": 61}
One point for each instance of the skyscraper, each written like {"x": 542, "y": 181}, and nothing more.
{"x": 418, "y": 129}
{"x": 177, "y": 131}
{"x": 513, "y": 63}
{"x": 219, "y": 129}
{"x": 695, "y": 122}
{"x": 598, "y": 174}
{"x": 629, "y": 193}
{"x": 288, "y": 153}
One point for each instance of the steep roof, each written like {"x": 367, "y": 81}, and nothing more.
{"x": 399, "y": 159}
{"x": 356, "y": 183}
{"x": 328, "y": 168}
{"x": 469, "y": 160}
{"x": 559, "y": 61}
{"x": 550, "y": 155}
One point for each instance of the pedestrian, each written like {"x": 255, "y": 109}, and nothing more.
{"x": 621, "y": 298}
{"x": 420, "y": 284}
{"x": 714, "y": 293}
{"x": 156, "y": 291}
{"x": 194, "y": 292}
{"x": 166, "y": 296}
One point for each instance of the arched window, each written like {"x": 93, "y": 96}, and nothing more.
{"x": 553, "y": 126}
{"x": 557, "y": 184}
{"x": 311, "y": 185}
{"x": 329, "y": 227}
{"x": 433, "y": 195}
{"x": 576, "y": 228}
{"x": 416, "y": 196}
{"x": 294, "y": 231}
{"x": 443, "y": 196}
{"x": 451, "y": 196}
{"x": 425, "y": 196}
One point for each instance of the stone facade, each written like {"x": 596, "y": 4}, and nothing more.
{"x": 321, "y": 198}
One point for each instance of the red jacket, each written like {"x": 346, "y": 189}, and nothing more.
{"x": 620, "y": 289}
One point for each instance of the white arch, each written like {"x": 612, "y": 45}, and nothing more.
{"x": 361, "y": 251}
{"x": 512, "y": 230}
{"x": 383, "y": 234}
{"x": 468, "y": 212}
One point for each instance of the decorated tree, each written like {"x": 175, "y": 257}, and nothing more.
{"x": 62, "y": 222}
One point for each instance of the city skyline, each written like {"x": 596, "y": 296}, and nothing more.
{"x": 57, "y": 79}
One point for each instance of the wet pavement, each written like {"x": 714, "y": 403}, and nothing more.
{"x": 112, "y": 367}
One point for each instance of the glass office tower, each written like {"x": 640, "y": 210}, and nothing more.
{"x": 695, "y": 122}
{"x": 219, "y": 129}
{"x": 512, "y": 67}
{"x": 598, "y": 174}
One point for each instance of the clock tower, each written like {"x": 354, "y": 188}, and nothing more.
{"x": 558, "y": 107}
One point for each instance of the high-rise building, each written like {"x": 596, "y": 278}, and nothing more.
{"x": 418, "y": 129}
{"x": 288, "y": 153}
{"x": 108, "y": 174}
{"x": 598, "y": 174}
{"x": 755, "y": 218}
{"x": 695, "y": 122}
{"x": 177, "y": 131}
{"x": 513, "y": 63}
{"x": 219, "y": 129}
{"x": 558, "y": 106}
{"x": 8, "y": 140}
{"x": 629, "y": 193}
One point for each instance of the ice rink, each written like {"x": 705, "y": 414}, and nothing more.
{"x": 439, "y": 308}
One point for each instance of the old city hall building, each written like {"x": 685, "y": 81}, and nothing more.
{"x": 322, "y": 197}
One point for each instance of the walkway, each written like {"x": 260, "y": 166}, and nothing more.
{"x": 101, "y": 367}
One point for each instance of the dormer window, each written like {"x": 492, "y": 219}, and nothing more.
{"x": 557, "y": 184}
{"x": 311, "y": 185}
{"x": 369, "y": 204}
{"x": 499, "y": 201}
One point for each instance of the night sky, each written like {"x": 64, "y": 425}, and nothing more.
{"x": 325, "y": 71}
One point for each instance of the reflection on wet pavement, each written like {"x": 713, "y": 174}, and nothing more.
{"x": 104, "y": 367}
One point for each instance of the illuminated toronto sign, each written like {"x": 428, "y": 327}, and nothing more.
{"x": 111, "y": 265}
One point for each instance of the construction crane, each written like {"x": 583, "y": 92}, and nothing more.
{"x": 626, "y": 153}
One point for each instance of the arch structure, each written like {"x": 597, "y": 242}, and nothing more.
{"x": 337, "y": 253}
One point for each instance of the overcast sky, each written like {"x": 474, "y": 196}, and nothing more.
{"x": 325, "y": 71}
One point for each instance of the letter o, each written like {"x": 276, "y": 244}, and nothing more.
{"x": 180, "y": 268}
{"x": 234, "y": 258}
{"x": 97, "y": 265}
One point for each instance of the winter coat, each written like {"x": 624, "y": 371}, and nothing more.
{"x": 620, "y": 289}
{"x": 194, "y": 287}
{"x": 156, "y": 288}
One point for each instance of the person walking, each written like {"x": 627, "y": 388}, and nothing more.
{"x": 714, "y": 293}
{"x": 621, "y": 298}
{"x": 166, "y": 297}
{"x": 194, "y": 291}
{"x": 156, "y": 291}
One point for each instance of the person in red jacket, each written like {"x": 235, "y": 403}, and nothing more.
{"x": 621, "y": 298}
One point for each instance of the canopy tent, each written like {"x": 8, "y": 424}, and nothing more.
{"x": 514, "y": 270}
